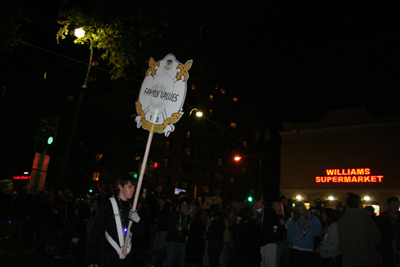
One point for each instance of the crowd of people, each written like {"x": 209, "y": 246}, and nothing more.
{"x": 195, "y": 232}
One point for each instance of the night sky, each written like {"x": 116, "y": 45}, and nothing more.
{"x": 298, "y": 59}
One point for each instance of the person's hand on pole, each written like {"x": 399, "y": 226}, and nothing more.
{"x": 134, "y": 216}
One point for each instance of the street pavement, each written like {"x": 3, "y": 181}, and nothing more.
{"x": 16, "y": 256}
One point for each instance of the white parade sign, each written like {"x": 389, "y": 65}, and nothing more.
{"x": 162, "y": 95}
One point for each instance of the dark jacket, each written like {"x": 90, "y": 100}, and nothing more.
{"x": 216, "y": 228}
{"x": 389, "y": 228}
{"x": 358, "y": 234}
{"x": 247, "y": 242}
{"x": 195, "y": 243}
{"x": 99, "y": 251}
{"x": 180, "y": 219}
{"x": 162, "y": 217}
{"x": 268, "y": 235}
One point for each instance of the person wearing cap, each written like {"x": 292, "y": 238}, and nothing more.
{"x": 107, "y": 237}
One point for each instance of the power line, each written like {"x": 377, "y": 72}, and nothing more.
{"x": 72, "y": 59}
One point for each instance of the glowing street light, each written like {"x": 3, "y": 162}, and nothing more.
{"x": 331, "y": 198}
{"x": 198, "y": 113}
{"x": 298, "y": 197}
{"x": 79, "y": 32}
{"x": 367, "y": 198}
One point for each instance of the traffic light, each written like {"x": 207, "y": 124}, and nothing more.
{"x": 46, "y": 133}
{"x": 135, "y": 175}
{"x": 150, "y": 171}
{"x": 51, "y": 130}
{"x": 154, "y": 165}
{"x": 250, "y": 199}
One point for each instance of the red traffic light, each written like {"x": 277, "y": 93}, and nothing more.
{"x": 155, "y": 165}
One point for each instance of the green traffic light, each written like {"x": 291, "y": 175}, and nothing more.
{"x": 250, "y": 199}
{"x": 50, "y": 140}
{"x": 135, "y": 176}
{"x": 90, "y": 190}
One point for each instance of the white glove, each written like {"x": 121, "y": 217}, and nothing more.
{"x": 134, "y": 216}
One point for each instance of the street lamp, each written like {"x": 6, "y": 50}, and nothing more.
{"x": 198, "y": 113}
{"x": 79, "y": 33}
{"x": 238, "y": 158}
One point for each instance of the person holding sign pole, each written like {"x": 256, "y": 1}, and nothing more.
{"x": 107, "y": 237}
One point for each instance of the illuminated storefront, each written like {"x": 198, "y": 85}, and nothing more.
{"x": 347, "y": 151}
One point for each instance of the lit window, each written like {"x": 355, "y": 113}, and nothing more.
{"x": 189, "y": 134}
{"x": 99, "y": 157}
{"x": 232, "y": 180}
{"x": 244, "y": 143}
{"x": 235, "y": 99}
{"x": 96, "y": 176}
{"x": 206, "y": 189}
{"x": 220, "y": 162}
{"x": 193, "y": 87}
{"x": 91, "y": 78}
{"x": 211, "y": 97}
{"x": 218, "y": 176}
{"x": 69, "y": 98}
{"x": 211, "y": 112}
{"x": 187, "y": 150}
{"x": 45, "y": 76}
{"x": 233, "y": 125}
{"x": 222, "y": 90}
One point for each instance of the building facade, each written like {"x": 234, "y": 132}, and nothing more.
{"x": 198, "y": 156}
{"x": 347, "y": 151}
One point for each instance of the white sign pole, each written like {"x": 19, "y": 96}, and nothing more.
{"x": 138, "y": 187}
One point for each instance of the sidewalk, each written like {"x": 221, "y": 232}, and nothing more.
{"x": 15, "y": 256}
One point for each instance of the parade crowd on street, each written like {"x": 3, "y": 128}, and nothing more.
{"x": 90, "y": 229}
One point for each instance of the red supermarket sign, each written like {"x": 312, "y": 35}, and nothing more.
{"x": 22, "y": 177}
{"x": 358, "y": 175}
